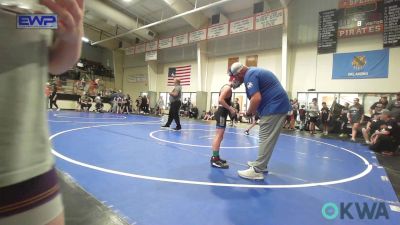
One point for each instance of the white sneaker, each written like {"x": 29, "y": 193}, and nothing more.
{"x": 58, "y": 109}
{"x": 252, "y": 164}
{"x": 251, "y": 174}
{"x": 367, "y": 142}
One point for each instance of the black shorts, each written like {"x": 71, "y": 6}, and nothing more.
{"x": 220, "y": 117}
{"x": 313, "y": 119}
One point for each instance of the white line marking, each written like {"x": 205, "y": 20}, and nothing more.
{"x": 394, "y": 208}
{"x": 105, "y": 170}
{"x": 96, "y": 118}
{"x": 109, "y": 122}
{"x": 200, "y": 146}
{"x": 384, "y": 178}
{"x": 206, "y": 137}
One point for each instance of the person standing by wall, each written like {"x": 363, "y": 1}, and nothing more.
{"x": 53, "y": 99}
{"x": 47, "y": 92}
{"x": 234, "y": 118}
{"x": 344, "y": 119}
{"x": 313, "y": 112}
{"x": 325, "y": 117}
{"x": 160, "y": 106}
{"x": 302, "y": 115}
{"x": 293, "y": 119}
{"x": 356, "y": 117}
{"x": 175, "y": 101}
{"x": 254, "y": 120}
{"x": 138, "y": 102}
{"x": 144, "y": 104}
{"x": 270, "y": 100}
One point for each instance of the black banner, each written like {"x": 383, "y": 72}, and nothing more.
{"x": 327, "y": 31}
{"x": 360, "y": 17}
{"x": 391, "y": 34}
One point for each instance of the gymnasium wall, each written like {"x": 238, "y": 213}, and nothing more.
{"x": 134, "y": 89}
{"x": 311, "y": 71}
{"x": 306, "y": 69}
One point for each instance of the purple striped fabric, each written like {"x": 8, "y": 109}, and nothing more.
{"x": 28, "y": 194}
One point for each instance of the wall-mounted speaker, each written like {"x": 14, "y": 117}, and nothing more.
{"x": 215, "y": 19}
{"x": 258, "y": 7}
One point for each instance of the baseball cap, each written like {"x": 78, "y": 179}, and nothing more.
{"x": 235, "y": 68}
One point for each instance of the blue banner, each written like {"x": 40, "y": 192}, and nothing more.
{"x": 361, "y": 65}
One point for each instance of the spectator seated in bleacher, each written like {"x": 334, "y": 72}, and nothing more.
{"x": 194, "y": 112}
{"x": 85, "y": 102}
{"x": 387, "y": 138}
{"x": 343, "y": 119}
{"x": 210, "y": 114}
{"x": 373, "y": 124}
{"x": 394, "y": 108}
{"x": 98, "y": 104}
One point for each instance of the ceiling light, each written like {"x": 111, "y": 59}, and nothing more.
{"x": 24, "y": 6}
{"x": 85, "y": 39}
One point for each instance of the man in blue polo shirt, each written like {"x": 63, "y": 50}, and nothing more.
{"x": 270, "y": 100}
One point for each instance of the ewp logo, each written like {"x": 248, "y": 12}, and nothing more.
{"x": 331, "y": 211}
{"x": 41, "y": 21}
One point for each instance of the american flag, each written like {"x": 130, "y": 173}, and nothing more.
{"x": 181, "y": 72}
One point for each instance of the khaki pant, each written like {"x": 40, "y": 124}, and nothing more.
{"x": 270, "y": 128}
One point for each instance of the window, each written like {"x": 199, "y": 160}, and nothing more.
{"x": 302, "y": 99}
{"x": 324, "y": 97}
{"x": 343, "y": 98}
{"x": 165, "y": 97}
{"x": 310, "y": 97}
{"x": 185, "y": 97}
{"x": 243, "y": 101}
{"x": 214, "y": 99}
{"x": 193, "y": 98}
{"x": 369, "y": 100}
{"x": 189, "y": 95}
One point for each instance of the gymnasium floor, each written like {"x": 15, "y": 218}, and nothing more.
{"x": 154, "y": 176}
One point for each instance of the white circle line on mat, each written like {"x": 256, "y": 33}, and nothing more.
{"x": 102, "y": 122}
{"x": 92, "y": 118}
{"x": 200, "y": 146}
{"x": 367, "y": 170}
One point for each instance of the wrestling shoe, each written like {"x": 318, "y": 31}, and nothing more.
{"x": 218, "y": 163}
